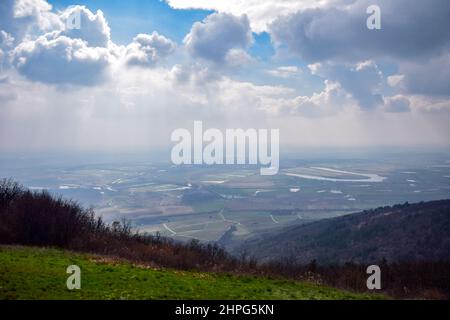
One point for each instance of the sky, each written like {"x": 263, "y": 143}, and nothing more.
{"x": 134, "y": 71}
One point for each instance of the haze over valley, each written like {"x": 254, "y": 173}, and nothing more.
{"x": 230, "y": 204}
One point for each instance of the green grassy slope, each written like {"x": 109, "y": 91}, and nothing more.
{"x": 36, "y": 273}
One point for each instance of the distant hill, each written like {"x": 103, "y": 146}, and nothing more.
{"x": 409, "y": 232}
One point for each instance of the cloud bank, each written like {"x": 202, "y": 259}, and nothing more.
{"x": 331, "y": 82}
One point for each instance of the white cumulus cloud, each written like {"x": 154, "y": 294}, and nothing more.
{"x": 284, "y": 72}
{"x": 92, "y": 28}
{"x": 148, "y": 49}
{"x": 61, "y": 60}
{"x": 217, "y": 38}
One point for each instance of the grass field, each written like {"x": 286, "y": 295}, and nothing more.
{"x": 37, "y": 273}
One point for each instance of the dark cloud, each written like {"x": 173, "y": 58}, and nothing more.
{"x": 409, "y": 31}
{"x": 414, "y": 38}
